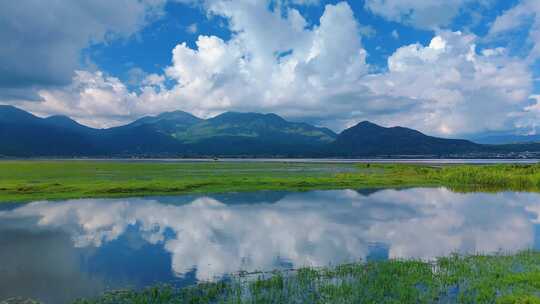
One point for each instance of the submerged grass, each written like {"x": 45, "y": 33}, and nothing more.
{"x": 455, "y": 279}
{"x": 34, "y": 180}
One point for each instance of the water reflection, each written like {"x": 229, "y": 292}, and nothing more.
{"x": 85, "y": 246}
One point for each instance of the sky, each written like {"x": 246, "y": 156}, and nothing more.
{"x": 447, "y": 68}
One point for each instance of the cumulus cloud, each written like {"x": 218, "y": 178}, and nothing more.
{"x": 92, "y": 98}
{"x": 42, "y": 40}
{"x": 273, "y": 62}
{"x": 453, "y": 84}
{"x": 218, "y": 239}
{"x": 440, "y": 88}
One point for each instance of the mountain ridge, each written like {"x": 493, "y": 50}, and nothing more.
{"x": 230, "y": 134}
{"x": 367, "y": 138}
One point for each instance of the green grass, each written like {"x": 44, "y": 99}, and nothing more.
{"x": 36, "y": 180}
{"x": 454, "y": 279}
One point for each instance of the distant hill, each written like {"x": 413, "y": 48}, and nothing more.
{"x": 65, "y": 122}
{"x": 369, "y": 139}
{"x": 228, "y": 134}
{"x": 234, "y": 133}
{"x": 168, "y": 134}
{"x": 23, "y": 134}
{"x": 151, "y": 135}
{"x": 231, "y": 134}
{"x": 499, "y": 139}
{"x": 168, "y": 122}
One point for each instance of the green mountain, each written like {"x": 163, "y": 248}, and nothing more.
{"x": 148, "y": 136}
{"x": 169, "y": 134}
{"x": 169, "y": 123}
{"x": 248, "y": 134}
{"x": 65, "y": 122}
{"x": 23, "y": 134}
{"x": 231, "y": 134}
{"x": 369, "y": 139}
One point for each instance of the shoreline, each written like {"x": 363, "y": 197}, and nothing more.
{"x": 23, "y": 181}
{"x": 437, "y": 161}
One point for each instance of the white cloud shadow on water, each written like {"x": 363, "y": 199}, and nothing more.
{"x": 316, "y": 228}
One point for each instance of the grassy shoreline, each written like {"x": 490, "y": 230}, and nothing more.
{"x": 38, "y": 180}
{"x": 454, "y": 279}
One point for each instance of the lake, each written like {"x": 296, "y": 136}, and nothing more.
{"x": 434, "y": 161}
{"x": 59, "y": 251}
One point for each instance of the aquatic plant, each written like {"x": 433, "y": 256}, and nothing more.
{"x": 454, "y": 279}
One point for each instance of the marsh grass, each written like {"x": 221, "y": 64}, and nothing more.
{"x": 454, "y": 279}
{"x": 36, "y": 180}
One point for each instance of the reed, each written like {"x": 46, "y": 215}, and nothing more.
{"x": 454, "y": 279}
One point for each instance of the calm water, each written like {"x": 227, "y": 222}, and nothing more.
{"x": 480, "y": 161}
{"x": 58, "y": 251}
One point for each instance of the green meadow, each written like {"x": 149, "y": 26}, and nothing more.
{"x": 39, "y": 180}
{"x": 454, "y": 279}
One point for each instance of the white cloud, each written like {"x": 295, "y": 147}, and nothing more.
{"x": 453, "y": 85}
{"x": 306, "y": 2}
{"x": 529, "y": 120}
{"x": 429, "y": 14}
{"x": 192, "y": 28}
{"x": 526, "y": 13}
{"x": 271, "y": 63}
{"x": 135, "y": 76}
{"x": 42, "y": 40}
{"x": 92, "y": 98}
{"x": 367, "y": 31}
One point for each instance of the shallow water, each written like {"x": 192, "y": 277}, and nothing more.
{"x": 58, "y": 251}
{"x": 472, "y": 161}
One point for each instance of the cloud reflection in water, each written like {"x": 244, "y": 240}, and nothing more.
{"x": 315, "y": 228}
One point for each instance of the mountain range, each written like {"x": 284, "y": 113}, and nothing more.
{"x": 506, "y": 138}
{"x": 231, "y": 134}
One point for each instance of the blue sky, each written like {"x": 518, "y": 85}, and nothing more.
{"x": 448, "y": 68}
{"x": 151, "y": 48}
